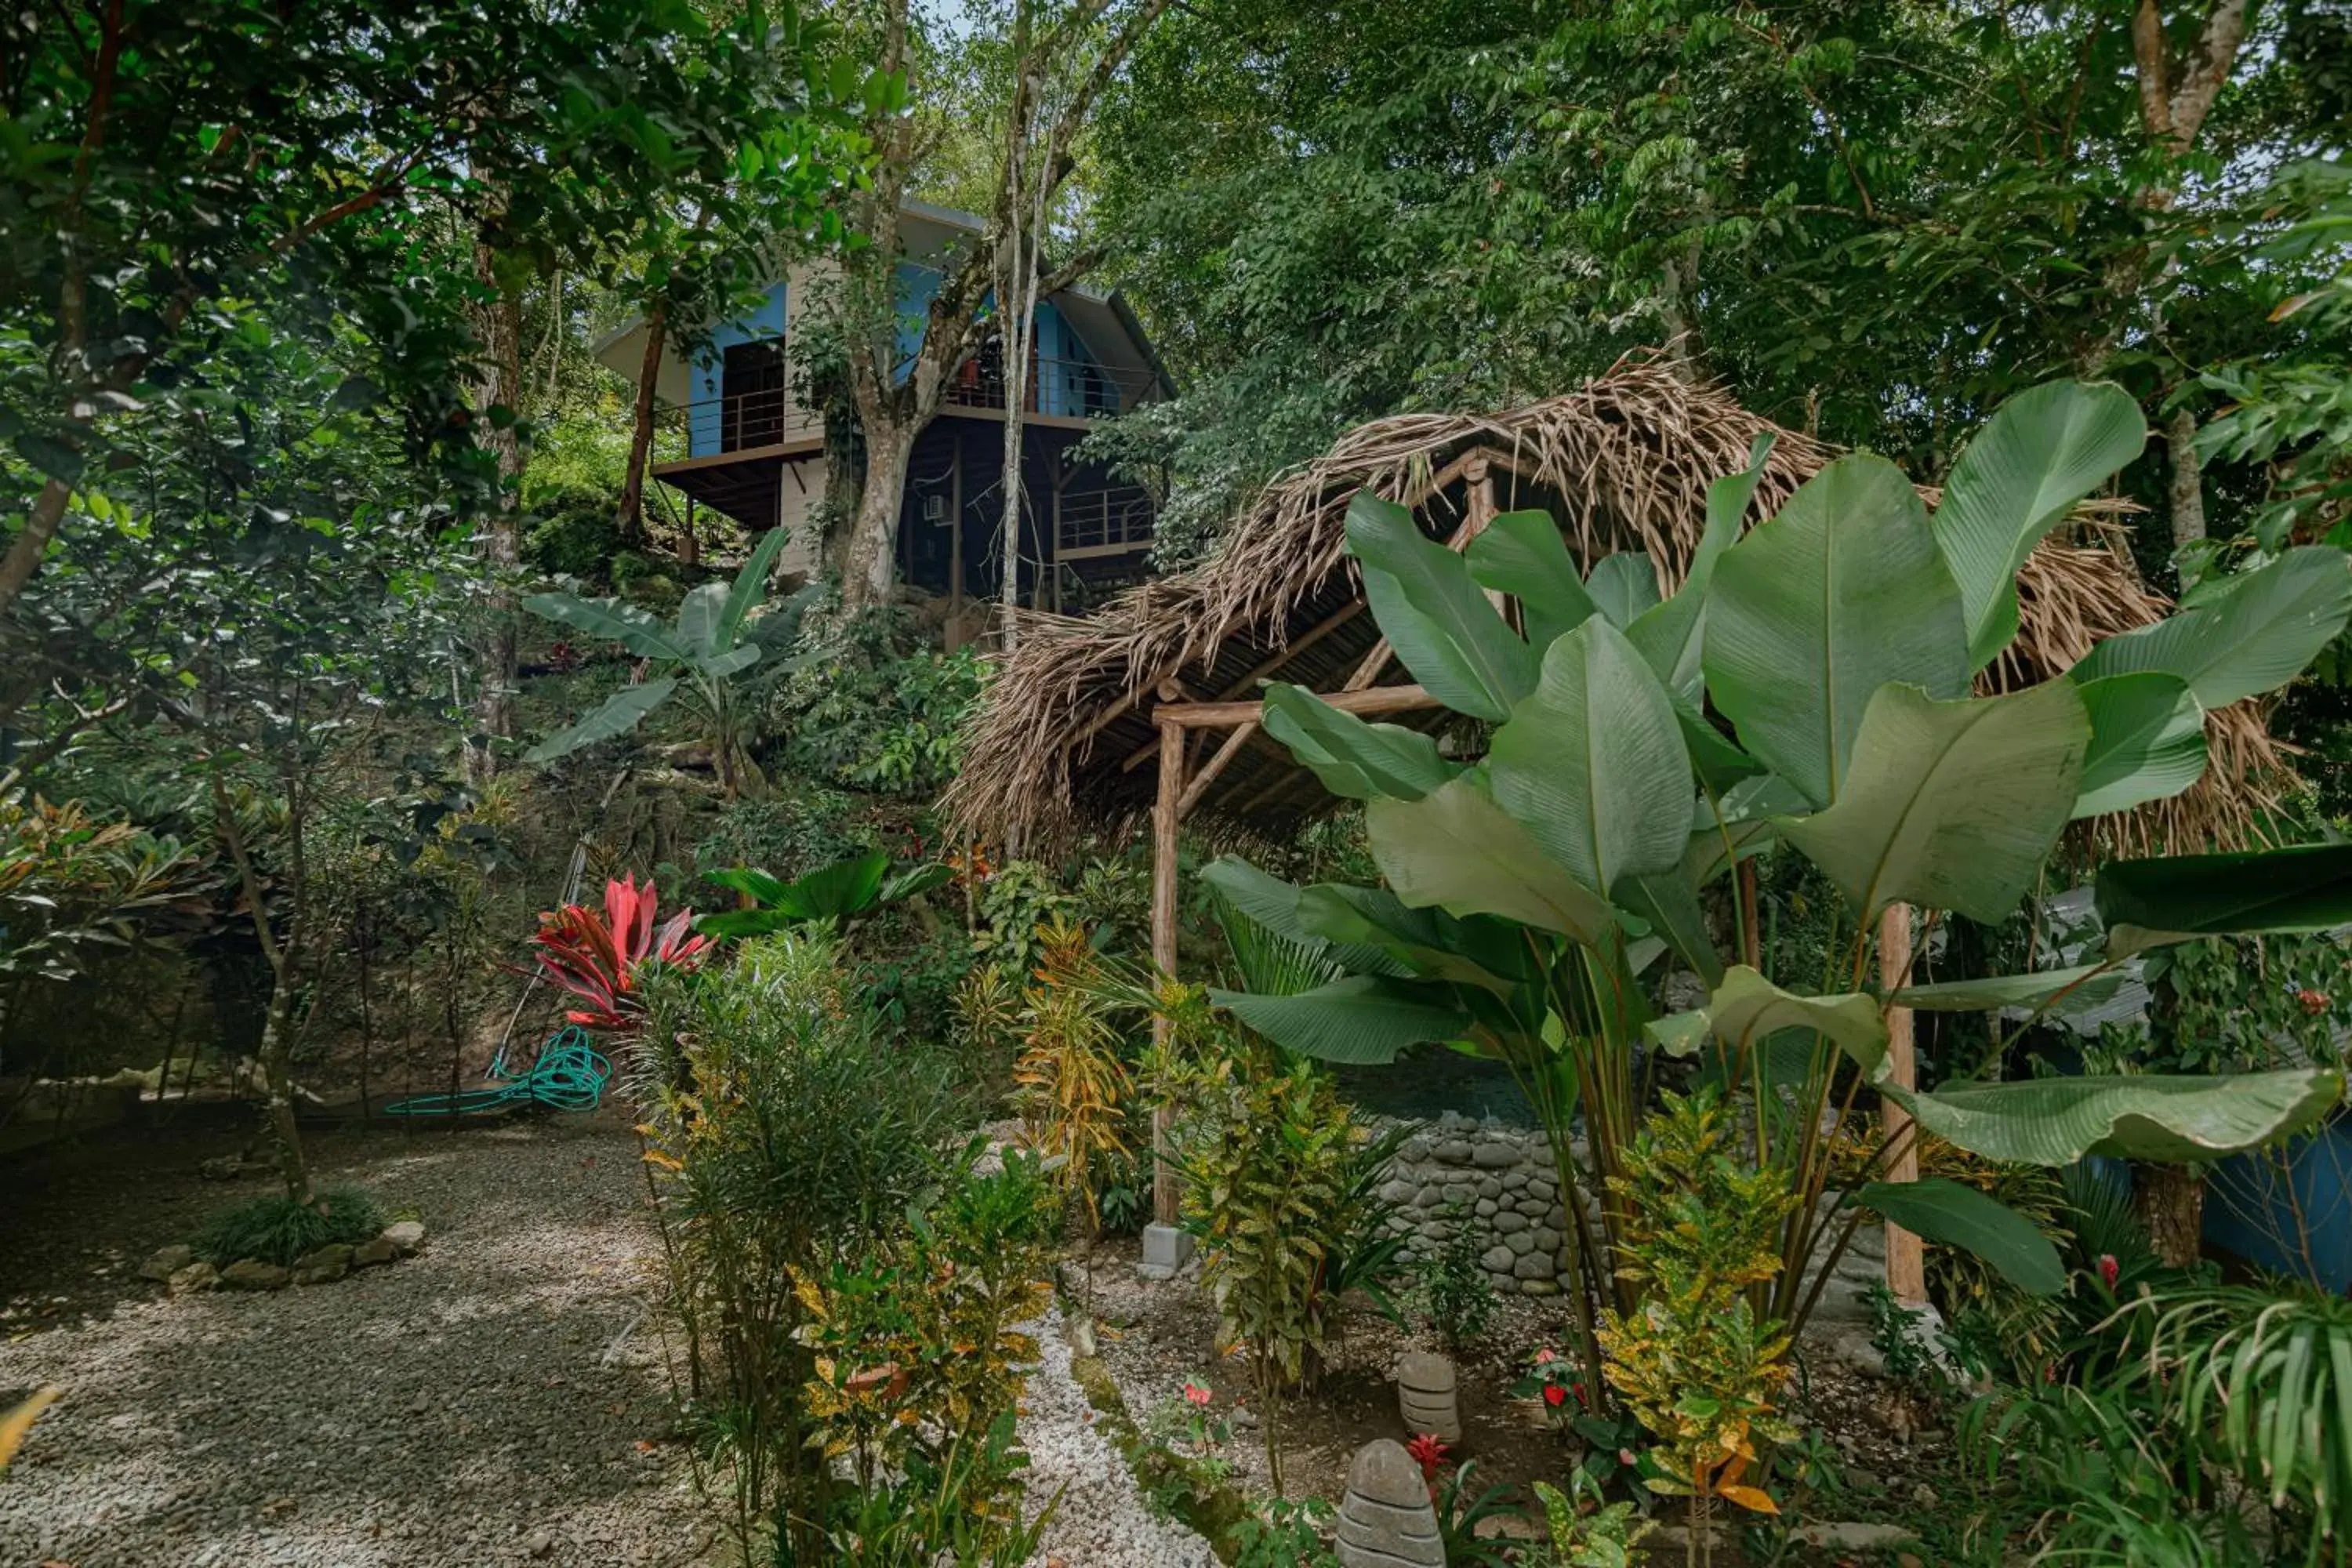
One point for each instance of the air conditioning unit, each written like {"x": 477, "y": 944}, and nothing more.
{"x": 935, "y": 510}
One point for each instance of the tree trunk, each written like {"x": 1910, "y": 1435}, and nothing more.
{"x": 869, "y": 571}
{"x": 499, "y": 326}
{"x": 2170, "y": 1201}
{"x": 641, "y": 433}
{"x": 2186, "y": 493}
{"x": 277, "y": 1076}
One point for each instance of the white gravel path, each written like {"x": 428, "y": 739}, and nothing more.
{"x": 1102, "y": 1522}
{"x": 481, "y": 1404}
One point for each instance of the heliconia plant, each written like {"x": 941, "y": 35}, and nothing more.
{"x": 597, "y": 957}
{"x": 1813, "y": 683}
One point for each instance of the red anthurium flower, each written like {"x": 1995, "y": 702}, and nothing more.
{"x": 1555, "y": 1395}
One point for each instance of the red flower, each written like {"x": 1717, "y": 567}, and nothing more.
{"x": 2109, "y": 1268}
{"x": 2314, "y": 1002}
{"x": 1195, "y": 1394}
{"x": 1555, "y": 1395}
{"x": 1429, "y": 1454}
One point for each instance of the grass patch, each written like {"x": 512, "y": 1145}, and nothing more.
{"x": 277, "y": 1229}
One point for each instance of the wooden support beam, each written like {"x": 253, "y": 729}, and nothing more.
{"x": 1907, "y": 1266}
{"x": 1165, "y": 815}
{"x": 1220, "y": 715}
{"x": 1208, "y": 771}
{"x": 1256, "y": 672}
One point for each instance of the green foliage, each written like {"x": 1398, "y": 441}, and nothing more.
{"x": 1455, "y": 1295}
{"x": 1527, "y": 894}
{"x": 711, "y": 644}
{"x": 1585, "y": 1531}
{"x": 788, "y": 1135}
{"x": 1281, "y": 1188}
{"x": 1283, "y": 1533}
{"x": 864, "y": 704}
{"x": 279, "y": 1229}
{"x": 575, "y": 532}
{"x": 2265, "y": 1379}
{"x": 1070, "y": 1081}
{"x": 831, "y": 895}
{"x": 1696, "y": 1366}
{"x": 798, "y": 828}
{"x": 72, "y": 883}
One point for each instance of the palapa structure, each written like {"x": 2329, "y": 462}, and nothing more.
{"x": 1153, "y": 704}
{"x": 1069, "y": 738}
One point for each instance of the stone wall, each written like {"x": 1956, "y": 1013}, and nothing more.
{"x": 1496, "y": 1180}
{"x": 1499, "y": 1181}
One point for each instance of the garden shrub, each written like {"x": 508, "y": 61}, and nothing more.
{"x": 280, "y": 1229}
{"x": 1457, "y": 1297}
{"x": 803, "y": 827}
{"x": 576, "y": 532}
{"x": 789, "y": 1135}
{"x": 863, "y": 703}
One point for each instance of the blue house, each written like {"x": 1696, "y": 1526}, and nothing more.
{"x": 755, "y": 452}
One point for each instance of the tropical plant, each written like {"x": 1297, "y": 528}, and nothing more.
{"x": 1281, "y": 1532}
{"x": 1696, "y": 1365}
{"x": 1281, "y": 1187}
{"x": 1462, "y": 1506}
{"x": 2265, "y": 1386}
{"x": 1806, "y": 685}
{"x": 1069, "y": 1082}
{"x": 1457, "y": 1297}
{"x": 712, "y": 643}
{"x": 785, "y": 1134}
{"x": 831, "y": 895}
{"x": 602, "y": 960}
{"x": 1584, "y": 1530}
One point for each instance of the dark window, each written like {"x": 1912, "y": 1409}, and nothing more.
{"x": 751, "y": 395}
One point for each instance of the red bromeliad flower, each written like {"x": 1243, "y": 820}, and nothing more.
{"x": 597, "y": 959}
{"x": 1429, "y": 1454}
{"x": 2109, "y": 1268}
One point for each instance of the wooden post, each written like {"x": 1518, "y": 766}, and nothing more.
{"x": 1164, "y": 819}
{"x": 1907, "y": 1269}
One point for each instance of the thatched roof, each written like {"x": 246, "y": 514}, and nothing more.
{"x": 1066, "y": 741}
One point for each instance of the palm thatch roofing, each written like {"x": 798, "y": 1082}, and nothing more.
{"x": 1067, "y": 742}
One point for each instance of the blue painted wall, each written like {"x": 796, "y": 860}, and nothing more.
{"x": 1064, "y": 384}
{"x": 2319, "y": 1169}
{"x": 703, "y": 407}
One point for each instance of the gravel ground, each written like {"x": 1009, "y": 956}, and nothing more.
{"x": 498, "y": 1399}
{"x": 1101, "y": 1522}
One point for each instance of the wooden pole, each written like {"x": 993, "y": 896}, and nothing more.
{"x": 1906, "y": 1268}
{"x": 1164, "y": 819}
{"x": 1219, "y": 715}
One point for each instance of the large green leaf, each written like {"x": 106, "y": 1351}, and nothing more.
{"x": 1589, "y": 755}
{"x": 2147, "y": 742}
{"x": 1361, "y": 1020}
{"x": 609, "y": 620}
{"x": 1522, "y": 554}
{"x": 619, "y": 714}
{"x": 2058, "y": 1121}
{"x": 915, "y": 879}
{"x": 2254, "y": 636}
{"x": 698, "y": 618}
{"x": 1669, "y": 634}
{"x": 2041, "y": 453}
{"x": 1951, "y": 805}
{"x": 1456, "y": 850}
{"x": 752, "y": 882}
{"x": 1814, "y": 611}
{"x": 837, "y": 892}
{"x": 2303, "y": 888}
{"x": 1623, "y": 586}
{"x": 1354, "y": 760}
{"x": 749, "y": 588}
{"x": 2080, "y": 985}
{"x": 1669, "y": 902}
{"x": 1747, "y": 1007}
{"x": 1952, "y": 1214}
{"x": 1269, "y": 901}
{"x": 1374, "y": 934}
{"x": 1443, "y": 627}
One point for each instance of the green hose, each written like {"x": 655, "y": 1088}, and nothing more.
{"x": 569, "y": 1074}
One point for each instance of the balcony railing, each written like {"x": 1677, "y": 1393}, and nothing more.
{"x": 1072, "y": 389}
{"x": 1104, "y": 522}
{"x": 744, "y": 422}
